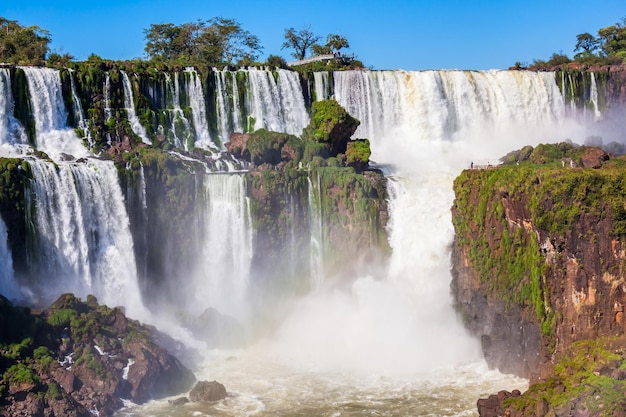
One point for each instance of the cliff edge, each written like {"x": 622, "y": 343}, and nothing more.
{"x": 538, "y": 263}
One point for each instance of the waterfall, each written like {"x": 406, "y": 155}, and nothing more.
{"x": 222, "y": 107}
{"x": 237, "y": 126}
{"x": 198, "y": 111}
{"x": 83, "y": 124}
{"x": 107, "y": 97}
{"x": 424, "y": 128}
{"x": 276, "y": 105}
{"x": 8, "y": 286}
{"x": 129, "y": 104}
{"x": 223, "y": 271}
{"x": 446, "y": 104}
{"x": 83, "y": 242}
{"x": 11, "y": 131}
{"x": 317, "y": 232}
{"x": 180, "y": 127}
{"x": 52, "y": 134}
{"x": 593, "y": 97}
{"x": 321, "y": 85}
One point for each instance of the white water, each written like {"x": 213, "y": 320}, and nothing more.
{"x": 129, "y": 104}
{"x": 321, "y": 86}
{"x": 83, "y": 242}
{"x": 223, "y": 270}
{"x": 53, "y": 135}
{"x": 8, "y": 286}
{"x": 316, "y": 224}
{"x": 198, "y": 111}
{"x": 180, "y": 127}
{"x": 390, "y": 343}
{"x": 79, "y": 113}
{"x": 276, "y": 105}
{"x": 11, "y": 131}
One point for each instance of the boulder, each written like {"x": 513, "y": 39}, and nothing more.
{"x": 205, "y": 391}
{"x": 593, "y": 158}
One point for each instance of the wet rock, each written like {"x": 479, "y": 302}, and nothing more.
{"x": 205, "y": 391}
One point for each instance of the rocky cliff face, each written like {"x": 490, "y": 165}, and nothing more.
{"x": 547, "y": 269}
{"x": 539, "y": 260}
{"x": 79, "y": 358}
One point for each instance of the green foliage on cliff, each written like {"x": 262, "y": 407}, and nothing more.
{"x": 329, "y": 123}
{"x": 503, "y": 242}
{"x": 589, "y": 377}
{"x": 269, "y": 147}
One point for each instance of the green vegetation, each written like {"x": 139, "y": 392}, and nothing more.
{"x": 608, "y": 47}
{"x": 506, "y": 254}
{"x": 215, "y": 41}
{"x": 22, "y": 45}
{"x": 331, "y": 125}
{"x": 589, "y": 377}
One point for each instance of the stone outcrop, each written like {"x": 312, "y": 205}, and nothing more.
{"x": 206, "y": 391}
{"x": 80, "y": 357}
{"x": 538, "y": 264}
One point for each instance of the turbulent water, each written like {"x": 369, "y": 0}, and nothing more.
{"x": 388, "y": 343}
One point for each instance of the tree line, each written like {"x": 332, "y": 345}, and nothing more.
{"x": 216, "y": 41}
{"x": 608, "y": 47}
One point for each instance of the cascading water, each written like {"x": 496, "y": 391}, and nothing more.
{"x": 52, "y": 134}
{"x": 180, "y": 127}
{"x": 317, "y": 232}
{"x": 593, "y": 98}
{"x": 83, "y": 124}
{"x": 8, "y": 286}
{"x": 129, "y": 104}
{"x": 222, "y": 275}
{"x": 276, "y": 105}
{"x": 83, "y": 242}
{"x": 198, "y": 111}
{"x": 11, "y": 131}
{"x": 390, "y": 343}
{"x": 321, "y": 86}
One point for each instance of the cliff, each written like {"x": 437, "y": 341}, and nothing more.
{"x": 80, "y": 358}
{"x": 538, "y": 266}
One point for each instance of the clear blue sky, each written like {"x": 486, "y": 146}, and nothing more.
{"x": 384, "y": 34}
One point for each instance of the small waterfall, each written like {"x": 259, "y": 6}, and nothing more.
{"x": 83, "y": 124}
{"x": 321, "y": 85}
{"x": 237, "y": 118}
{"x": 180, "y": 127}
{"x": 276, "y": 105}
{"x": 198, "y": 111}
{"x": 222, "y": 277}
{"x": 83, "y": 242}
{"x": 222, "y": 108}
{"x": 107, "y": 97}
{"x": 317, "y": 232}
{"x": 11, "y": 131}
{"x": 8, "y": 286}
{"x": 593, "y": 97}
{"x": 53, "y": 135}
{"x": 129, "y": 104}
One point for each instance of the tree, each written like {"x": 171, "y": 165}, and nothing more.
{"x": 613, "y": 39}
{"x": 22, "y": 45}
{"x": 214, "y": 41}
{"x": 336, "y": 42}
{"x": 587, "y": 44}
{"x": 300, "y": 41}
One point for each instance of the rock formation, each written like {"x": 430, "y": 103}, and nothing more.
{"x": 538, "y": 267}
{"x": 77, "y": 358}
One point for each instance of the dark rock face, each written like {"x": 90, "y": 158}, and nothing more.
{"x": 205, "y": 391}
{"x": 93, "y": 358}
